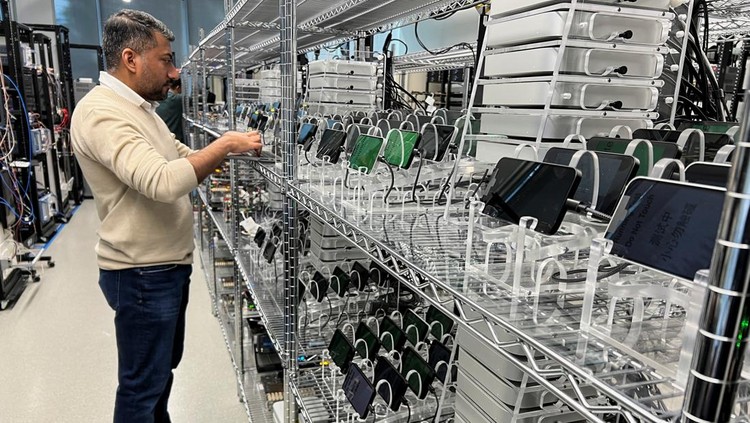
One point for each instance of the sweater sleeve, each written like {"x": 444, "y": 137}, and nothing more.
{"x": 136, "y": 162}
{"x": 182, "y": 149}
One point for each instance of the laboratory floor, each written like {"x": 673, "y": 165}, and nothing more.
{"x": 58, "y": 359}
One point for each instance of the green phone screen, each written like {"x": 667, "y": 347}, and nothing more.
{"x": 617, "y": 145}
{"x": 365, "y": 154}
{"x": 399, "y": 150}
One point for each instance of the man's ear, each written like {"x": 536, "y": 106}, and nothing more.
{"x": 130, "y": 59}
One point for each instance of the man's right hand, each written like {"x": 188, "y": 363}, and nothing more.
{"x": 242, "y": 142}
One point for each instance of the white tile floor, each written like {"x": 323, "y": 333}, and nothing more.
{"x": 58, "y": 359}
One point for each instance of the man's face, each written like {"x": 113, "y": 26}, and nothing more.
{"x": 155, "y": 71}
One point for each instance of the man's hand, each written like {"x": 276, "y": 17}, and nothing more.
{"x": 205, "y": 161}
{"x": 241, "y": 142}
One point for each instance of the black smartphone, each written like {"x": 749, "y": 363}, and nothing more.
{"x": 415, "y": 328}
{"x": 301, "y": 290}
{"x": 521, "y": 188}
{"x": 662, "y": 150}
{"x": 269, "y": 250}
{"x": 417, "y": 372}
{"x": 360, "y": 276}
{"x": 352, "y": 134}
{"x": 319, "y": 286}
{"x": 419, "y": 120}
{"x": 340, "y": 281}
{"x": 371, "y": 346}
{"x": 358, "y": 390}
{"x": 385, "y": 126}
{"x": 341, "y": 351}
{"x": 714, "y": 174}
{"x": 667, "y": 226}
{"x": 259, "y": 237}
{"x": 393, "y": 396}
{"x": 435, "y": 141}
{"x": 708, "y": 126}
{"x": 253, "y": 123}
{"x": 615, "y": 171}
{"x": 306, "y": 135}
{"x": 262, "y": 122}
{"x": 440, "y": 324}
{"x": 378, "y": 275}
{"x": 330, "y": 145}
{"x": 439, "y": 358}
{"x": 391, "y": 335}
{"x": 713, "y": 142}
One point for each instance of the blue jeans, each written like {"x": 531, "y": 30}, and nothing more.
{"x": 149, "y": 305}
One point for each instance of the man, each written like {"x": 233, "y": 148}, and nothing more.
{"x": 141, "y": 176}
{"x": 170, "y": 110}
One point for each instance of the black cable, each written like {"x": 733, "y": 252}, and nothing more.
{"x": 584, "y": 209}
{"x": 408, "y": 408}
{"x": 393, "y": 179}
{"x": 437, "y": 401}
{"x": 603, "y": 272}
{"x": 385, "y": 47}
{"x": 445, "y": 50}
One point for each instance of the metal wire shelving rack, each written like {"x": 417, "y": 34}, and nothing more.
{"x": 429, "y": 261}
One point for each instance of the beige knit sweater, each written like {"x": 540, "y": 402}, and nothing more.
{"x": 140, "y": 179}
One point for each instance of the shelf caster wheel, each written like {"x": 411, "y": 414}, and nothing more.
{"x": 37, "y": 278}
{"x": 51, "y": 264}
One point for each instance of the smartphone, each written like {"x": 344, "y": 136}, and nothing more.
{"x": 708, "y": 126}
{"x": 385, "y": 126}
{"x": 391, "y": 335}
{"x": 399, "y": 150}
{"x": 615, "y": 171}
{"x": 422, "y": 375}
{"x": 440, "y": 324}
{"x": 352, "y": 134}
{"x": 439, "y": 358}
{"x": 245, "y": 111}
{"x": 662, "y": 150}
{"x": 415, "y": 327}
{"x": 435, "y": 141}
{"x": 262, "y": 122}
{"x": 360, "y": 276}
{"x": 358, "y": 391}
{"x": 667, "y": 226}
{"x": 277, "y": 229}
{"x": 419, "y": 120}
{"x": 319, "y": 286}
{"x": 370, "y": 340}
{"x": 340, "y": 281}
{"x": 306, "y": 135}
{"x": 270, "y": 250}
{"x": 259, "y": 237}
{"x": 301, "y": 290}
{"x": 713, "y": 142}
{"x": 714, "y": 174}
{"x": 393, "y": 396}
{"x": 330, "y": 145}
{"x": 521, "y": 188}
{"x": 341, "y": 351}
{"x": 378, "y": 275}
{"x": 366, "y": 152}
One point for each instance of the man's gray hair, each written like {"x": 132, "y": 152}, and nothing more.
{"x": 130, "y": 29}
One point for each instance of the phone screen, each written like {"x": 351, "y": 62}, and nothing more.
{"x": 666, "y": 225}
{"x": 714, "y": 174}
{"x": 706, "y": 126}
{"x": 270, "y": 250}
{"x": 353, "y": 133}
{"x": 358, "y": 390}
{"x": 439, "y": 358}
{"x": 371, "y": 341}
{"x": 521, "y": 188}
{"x": 433, "y": 148}
{"x": 419, "y": 120}
{"x": 391, "y": 336}
{"x": 307, "y": 135}
{"x": 340, "y": 281}
{"x": 384, "y": 370}
{"x": 378, "y": 275}
{"x": 360, "y": 276}
{"x": 366, "y": 152}
{"x": 415, "y": 327}
{"x": 341, "y": 350}
{"x": 440, "y": 324}
{"x": 399, "y": 150}
{"x": 330, "y": 145}
{"x": 662, "y": 150}
{"x": 319, "y": 286}
{"x": 615, "y": 171}
{"x": 713, "y": 142}
{"x": 262, "y": 122}
{"x": 424, "y": 373}
{"x": 384, "y": 125}
{"x": 301, "y": 289}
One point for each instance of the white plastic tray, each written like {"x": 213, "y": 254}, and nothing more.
{"x": 342, "y": 97}
{"x": 343, "y": 82}
{"x": 595, "y": 26}
{"x": 596, "y": 59}
{"x": 576, "y": 92}
{"x": 343, "y": 67}
{"x": 509, "y": 7}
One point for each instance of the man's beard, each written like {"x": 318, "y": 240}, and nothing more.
{"x": 149, "y": 89}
